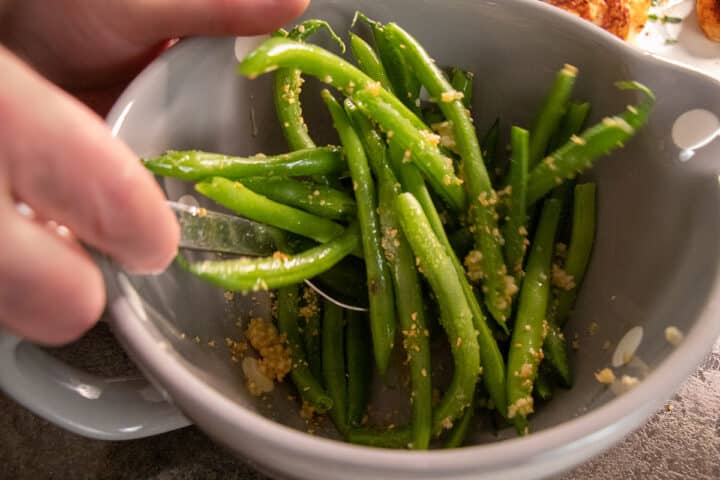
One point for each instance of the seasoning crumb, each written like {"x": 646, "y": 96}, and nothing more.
{"x": 526, "y": 370}
{"x": 592, "y": 328}
{"x": 674, "y": 336}
{"x": 432, "y": 138}
{"x": 307, "y": 411}
{"x": 447, "y": 97}
{"x": 473, "y": 265}
{"x": 606, "y": 345}
{"x": 522, "y": 406}
{"x": 561, "y": 279}
{"x": 605, "y": 376}
{"x": 373, "y": 88}
{"x": 577, "y": 140}
{"x": 629, "y": 381}
{"x": 275, "y": 357}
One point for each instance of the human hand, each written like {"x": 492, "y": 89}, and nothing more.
{"x": 57, "y": 155}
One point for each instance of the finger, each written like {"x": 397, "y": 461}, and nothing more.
{"x": 63, "y": 162}
{"x": 101, "y": 44}
{"x": 161, "y": 19}
{"x": 50, "y": 291}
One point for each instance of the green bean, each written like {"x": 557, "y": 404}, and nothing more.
{"x": 579, "y": 250}
{"x": 493, "y": 362}
{"x": 515, "y": 228}
{"x": 489, "y": 146}
{"x": 333, "y": 363}
{"x": 556, "y": 353}
{"x": 277, "y": 53}
{"x": 246, "y": 274}
{"x": 405, "y": 84}
{"x": 456, "y": 316}
{"x": 311, "y": 332}
{"x": 359, "y": 366}
{"x": 462, "y": 81}
{"x": 571, "y": 123}
{"x": 331, "y": 69}
{"x": 417, "y": 146}
{"x": 245, "y": 202}
{"x": 312, "y": 197}
{"x": 288, "y": 85}
{"x": 368, "y": 61}
{"x": 196, "y": 165}
{"x": 551, "y": 113}
{"x": 492, "y": 359}
{"x": 459, "y": 432}
{"x": 530, "y": 324}
{"x": 579, "y": 153}
{"x": 307, "y": 385}
{"x": 555, "y": 346}
{"x": 372, "y": 437}
{"x": 497, "y": 285}
{"x": 408, "y": 293}
{"x": 413, "y": 182}
{"x": 382, "y": 303}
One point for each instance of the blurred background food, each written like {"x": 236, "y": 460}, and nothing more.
{"x": 627, "y": 18}
{"x": 708, "y": 12}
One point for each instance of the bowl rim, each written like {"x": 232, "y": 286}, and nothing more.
{"x": 608, "y": 421}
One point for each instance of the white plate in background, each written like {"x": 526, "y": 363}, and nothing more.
{"x": 682, "y": 42}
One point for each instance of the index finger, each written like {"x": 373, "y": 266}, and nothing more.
{"x": 63, "y": 162}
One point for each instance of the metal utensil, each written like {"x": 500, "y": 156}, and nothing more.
{"x": 210, "y": 231}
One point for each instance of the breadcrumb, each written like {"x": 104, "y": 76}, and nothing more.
{"x": 447, "y": 137}
{"x": 447, "y": 97}
{"x": 373, "y": 88}
{"x": 673, "y": 336}
{"x": 592, "y": 328}
{"x": 605, "y": 376}
{"x": 629, "y": 381}
{"x": 561, "y": 279}
{"x": 522, "y": 406}
{"x": 432, "y": 138}
{"x": 473, "y": 265}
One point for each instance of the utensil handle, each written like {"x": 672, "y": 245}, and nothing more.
{"x": 119, "y": 408}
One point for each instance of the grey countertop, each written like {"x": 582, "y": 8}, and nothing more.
{"x": 682, "y": 442}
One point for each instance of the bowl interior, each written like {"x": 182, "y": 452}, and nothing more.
{"x": 655, "y": 256}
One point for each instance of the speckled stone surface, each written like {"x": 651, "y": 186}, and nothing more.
{"x": 678, "y": 443}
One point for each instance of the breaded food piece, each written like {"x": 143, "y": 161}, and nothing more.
{"x": 622, "y": 18}
{"x": 708, "y": 12}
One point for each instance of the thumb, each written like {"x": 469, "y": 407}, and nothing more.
{"x": 157, "y": 20}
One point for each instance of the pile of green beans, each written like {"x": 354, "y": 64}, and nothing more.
{"x": 443, "y": 224}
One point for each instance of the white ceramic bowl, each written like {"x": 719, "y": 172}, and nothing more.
{"x": 655, "y": 263}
